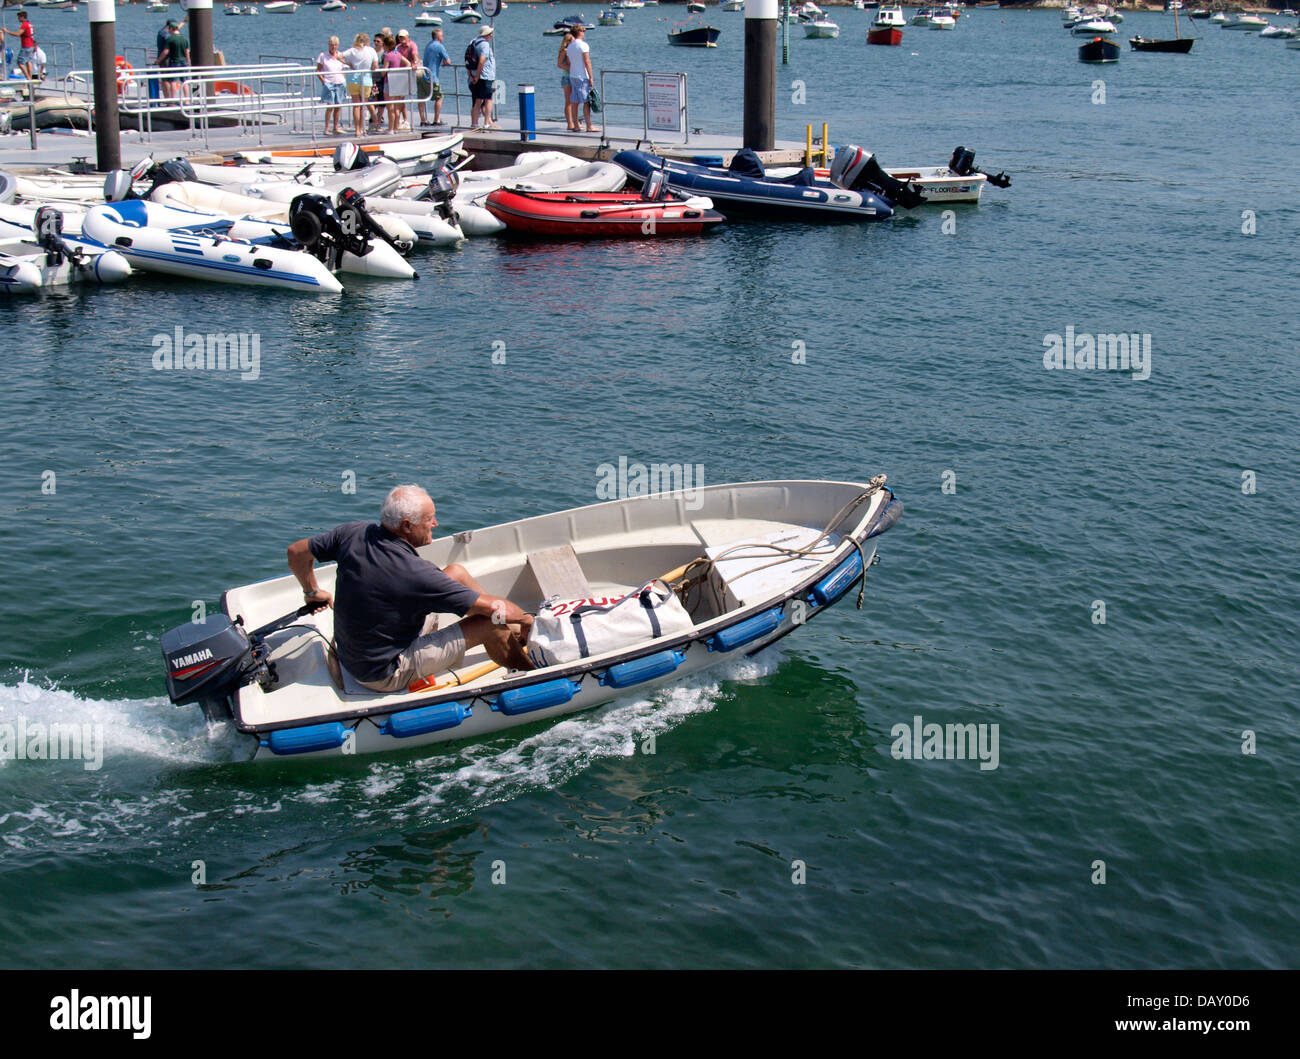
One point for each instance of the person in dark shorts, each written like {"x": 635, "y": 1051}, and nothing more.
{"x": 385, "y": 623}
{"x": 482, "y": 81}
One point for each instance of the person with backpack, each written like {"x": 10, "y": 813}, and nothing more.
{"x": 481, "y": 65}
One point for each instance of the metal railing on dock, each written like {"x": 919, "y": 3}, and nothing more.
{"x": 663, "y": 103}
{"x": 248, "y": 98}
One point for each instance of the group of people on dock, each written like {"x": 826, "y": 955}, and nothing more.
{"x": 375, "y": 79}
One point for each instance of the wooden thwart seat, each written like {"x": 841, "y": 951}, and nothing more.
{"x": 558, "y": 573}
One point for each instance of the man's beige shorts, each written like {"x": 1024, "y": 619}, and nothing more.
{"x": 433, "y": 651}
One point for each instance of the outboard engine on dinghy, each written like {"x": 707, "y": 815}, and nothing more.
{"x": 355, "y": 217}
{"x": 208, "y": 661}
{"x": 118, "y": 185}
{"x": 319, "y": 230}
{"x": 444, "y": 182}
{"x": 857, "y": 170}
{"x": 348, "y": 156}
{"x": 655, "y": 188}
{"x": 47, "y": 226}
{"x": 963, "y": 164}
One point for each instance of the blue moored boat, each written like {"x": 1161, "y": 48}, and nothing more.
{"x": 858, "y": 190}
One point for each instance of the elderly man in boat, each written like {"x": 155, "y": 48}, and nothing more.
{"x": 385, "y": 625}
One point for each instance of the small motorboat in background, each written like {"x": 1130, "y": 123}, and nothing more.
{"x": 1244, "y": 23}
{"x": 1099, "y": 50}
{"x": 821, "y": 28}
{"x": 1180, "y": 45}
{"x": 691, "y": 34}
{"x": 887, "y": 26}
{"x": 610, "y": 17}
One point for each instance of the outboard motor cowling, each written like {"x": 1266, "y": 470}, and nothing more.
{"x": 47, "y": 225}
{"x": 857, "y": 170}
{"x": 444, "y": 182}
{"x": 655, "y": 188}
{"x": 348, "y": 156}
{"x": 963, "y": 164}
{"x": 207, "y": 662}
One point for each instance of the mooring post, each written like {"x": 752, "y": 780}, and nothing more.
{"x": 760, "y": 75}
{"x": 103, "y": 49}
{"x": 200, "y": 12}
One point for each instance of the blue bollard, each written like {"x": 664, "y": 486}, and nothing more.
{"x": 527, "y": 114}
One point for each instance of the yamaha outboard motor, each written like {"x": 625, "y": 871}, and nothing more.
{"x": 963, "y": 164}
{"x": 208, "y": 661}
{"x": 348, "y": 156}
{"x": 857, "y": 170}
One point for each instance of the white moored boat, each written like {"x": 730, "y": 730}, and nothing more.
{"x": 158, "y": 238}
{"x": 1246, "y": 23}
{"x": 281, "y": 7}
{"x": 724, "y": 572}
{"x": 1092, "y": 27}
{"x": 821, "y": 28}
{"x": 37, "y": 253}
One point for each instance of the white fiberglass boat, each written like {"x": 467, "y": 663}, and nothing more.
{"x": 1092, "y": 27}
{"x": 724, "y": 573}
{"x": 821, "y": 28}
{"x": 943, "y": 22}
{"x": 281, "y": 7}
{"x": 1245, "y": 23}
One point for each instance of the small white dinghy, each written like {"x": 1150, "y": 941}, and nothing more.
{"x": 40, "y": 254}
{"x": 735, "y": 567}
{"x": 157, "y": 238}
{"x": 381, "y": 259}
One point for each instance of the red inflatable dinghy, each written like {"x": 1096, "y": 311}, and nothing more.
{"x": 600, "y": 214}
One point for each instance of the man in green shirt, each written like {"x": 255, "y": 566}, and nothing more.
{"x": 175, "y": 55}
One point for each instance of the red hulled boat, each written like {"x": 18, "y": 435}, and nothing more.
{"x": 567, "y": 214}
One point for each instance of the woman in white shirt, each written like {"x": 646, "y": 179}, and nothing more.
{"x": 329, "y": 68}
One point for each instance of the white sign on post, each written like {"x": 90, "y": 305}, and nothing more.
{"x": 665, "y": 100}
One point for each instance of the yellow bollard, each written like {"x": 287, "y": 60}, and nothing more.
{"x": 807, "y": 149}
{"x": 826, "y": 145}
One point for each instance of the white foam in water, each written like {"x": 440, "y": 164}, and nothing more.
{"x": 553, "y": 755}
{"x": 140, "y": 727}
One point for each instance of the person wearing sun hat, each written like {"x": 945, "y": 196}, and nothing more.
{"x": 482, "y": 81}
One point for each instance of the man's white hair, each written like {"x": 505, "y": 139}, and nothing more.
{"x": 403, "y": 503}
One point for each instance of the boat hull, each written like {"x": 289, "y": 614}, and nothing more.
{"x": 125, "y": 227}
{"x": 888, "y": 35}
{"x": 598, "y": 216}
{"x": 1099, "y": 51}
{"x": 696, "y": 37}
{"x": 1173, "y": 47}
{"x": 767, "y": 199}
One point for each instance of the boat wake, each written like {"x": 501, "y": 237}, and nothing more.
{"x": 146, "y": 775}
